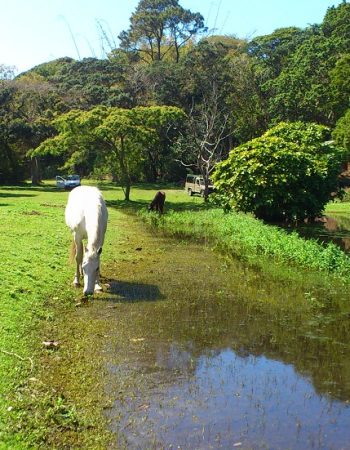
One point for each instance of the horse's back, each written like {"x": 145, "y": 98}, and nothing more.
{"x": 83, "y": 202}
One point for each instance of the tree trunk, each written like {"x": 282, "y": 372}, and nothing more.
{"x": 127, "y": 192}
{"x": 177, "y": 51}
{"x": 114, "y": 177}
{"x": 159, "y": 54}
{"x": 35, "y": 171}
{"x": 206, "y": 189}
{"x": 153, "y": 167}
{"x": 124, "y": 171}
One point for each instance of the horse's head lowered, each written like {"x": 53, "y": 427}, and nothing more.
{"x": 91, "y": 266}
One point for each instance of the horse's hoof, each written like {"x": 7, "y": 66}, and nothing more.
{"x": 98, "y": 288}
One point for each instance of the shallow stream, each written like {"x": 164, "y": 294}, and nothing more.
{"x": 204, "y": 352}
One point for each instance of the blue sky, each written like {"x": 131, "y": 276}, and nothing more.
{"x": 36, "y": 31}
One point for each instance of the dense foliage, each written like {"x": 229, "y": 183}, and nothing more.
{"x": 289, "y": 173}
{"x": 163, "y": 59}
{"x": 114, "y": 140}
{"x": 341, "y": 132}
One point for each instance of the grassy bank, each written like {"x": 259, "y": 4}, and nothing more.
{"x": 244, "y": 236}
{"x": 36, "y": 300}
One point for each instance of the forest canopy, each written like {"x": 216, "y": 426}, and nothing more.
{"x": 230, "y": 91}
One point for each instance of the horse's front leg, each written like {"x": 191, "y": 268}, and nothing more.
{"x": 98, "y": 287}
{"x": 79, "y": 251}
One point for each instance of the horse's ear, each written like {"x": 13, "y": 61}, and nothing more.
{"x": 99, "y": 251}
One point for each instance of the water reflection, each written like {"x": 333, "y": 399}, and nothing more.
{"x": 329, "y": 229}
{"x": 230, "y": 400}
{"x": 230, "y": 357}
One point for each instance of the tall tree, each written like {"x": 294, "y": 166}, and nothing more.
{"x": 167, "y": 122}
{"x": 272, "y": 51}
{"x": 310, "y": 86}
{"x": 341, "y": 132}
{"x": 159, "y": 26}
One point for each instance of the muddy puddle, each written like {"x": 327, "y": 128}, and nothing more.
{"x": 203, "y": 352}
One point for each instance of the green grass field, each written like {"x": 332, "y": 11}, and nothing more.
{"x": 37, "y": 298}
{"x": 36, "y": 293}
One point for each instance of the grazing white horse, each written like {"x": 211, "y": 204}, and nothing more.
{"x": 86, "y": 215}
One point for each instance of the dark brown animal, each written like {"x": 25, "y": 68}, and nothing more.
{"x": 157, "y": 204}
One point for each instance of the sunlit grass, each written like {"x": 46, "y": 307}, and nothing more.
{"x": 36, "y": 295}
{"x": 338, "y": 208}
{"x": 36, "y": 289}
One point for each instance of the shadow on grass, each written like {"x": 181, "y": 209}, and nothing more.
{"x": 104, "y": 186}
{"x": 13, "y": 195}
{"x": 29, "y": 187}
{"x": 124, "y": 291}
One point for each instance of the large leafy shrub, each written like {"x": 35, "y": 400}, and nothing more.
{"x": 289, "y": 173}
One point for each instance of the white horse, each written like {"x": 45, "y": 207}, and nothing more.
{"x": 86, "y": 215}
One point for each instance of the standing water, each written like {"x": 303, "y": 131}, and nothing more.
{"x": 334, "y": 229}
{"x": 207, "y": 353}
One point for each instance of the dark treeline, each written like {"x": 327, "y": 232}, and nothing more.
{"x": 231, "y": 89}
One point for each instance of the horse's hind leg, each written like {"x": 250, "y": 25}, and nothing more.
{"x": 79, "y": 250}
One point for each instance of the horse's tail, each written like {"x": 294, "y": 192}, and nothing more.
{"x": 72, "y": 252}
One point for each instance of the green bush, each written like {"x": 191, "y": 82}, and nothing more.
{"x": 289, "y": 173}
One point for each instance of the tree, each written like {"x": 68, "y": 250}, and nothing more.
{"x": 340, "y": 85}
{"x": 159, "y": 26}
{"x": 26, "y": 105}
{"x": 341, "y": 133}
{"x": 124, "y": 138}
{"x": 183, "y": 25}
{"x": 336, "y": 26}
{"x": 302, "y": 91}
{"x": 311, "y": 86}
{"x": 244, "y": 98}
{"x": 91, "y": 82}
{"x": 272, "y": 51}
{"x": 167, "y": 122}
{"x": 289, "y": 173}
{"x": 115, "y": 140}
{"x": 202, "y": 147}
{"x": 11, "y": 169}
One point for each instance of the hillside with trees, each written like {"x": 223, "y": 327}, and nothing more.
{"x": 227, "y": 90}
